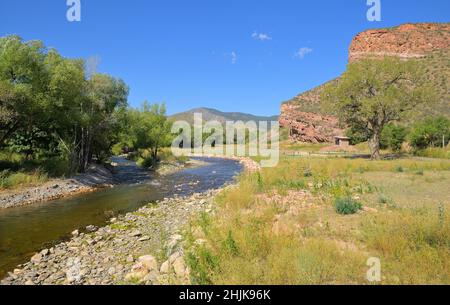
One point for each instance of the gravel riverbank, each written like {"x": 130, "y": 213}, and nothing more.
{"x": 96, "y": 177}
{"x": 141, "y": 247}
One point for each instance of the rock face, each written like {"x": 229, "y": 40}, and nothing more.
{"x": 405, "y": 41}
{"x": 309, "y": 127}
{"x": 304, "y": 117}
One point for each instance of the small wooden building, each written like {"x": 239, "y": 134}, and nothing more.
{"x": 342, "y": 141}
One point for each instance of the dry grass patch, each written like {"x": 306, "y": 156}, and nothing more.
{"x": 279, "y": 226}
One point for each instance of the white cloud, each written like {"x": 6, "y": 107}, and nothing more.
{"x": 233, "y": 57}
{"x": 302, "y": 52}
{"x": 261, "y": 36}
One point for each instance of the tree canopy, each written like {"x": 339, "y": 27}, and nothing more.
{"x": 373, "y": 93}
{"x": 48, "y": 103}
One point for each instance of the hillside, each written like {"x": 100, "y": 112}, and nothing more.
{"x": 308, "y": 121}
{"x": 222, "y": 117}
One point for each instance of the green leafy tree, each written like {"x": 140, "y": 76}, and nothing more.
{"x": 47, "y": 99}
{"x": 373, "y": 93}
{"x": 431, "y": 132}
{"x": 150, "y": 128}
{"x": 23, "y": 79}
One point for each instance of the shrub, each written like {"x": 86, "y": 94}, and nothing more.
{"x": 393, "y": 137}
{"x": 357, "y": 135}
{"x": 430, "y": 133}
{"x": 347, "y": 206}
{"x": 146, "y": 162}
{"x": 399, "y": 169}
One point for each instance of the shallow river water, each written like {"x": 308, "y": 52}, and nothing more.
{"x": 26, "y": 230}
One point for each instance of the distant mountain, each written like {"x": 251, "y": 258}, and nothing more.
{"x": 222, "y": 117}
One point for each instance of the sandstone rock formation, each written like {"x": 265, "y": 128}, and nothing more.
{"x": 309, "y": 127}
{"x": 405, "y": 41}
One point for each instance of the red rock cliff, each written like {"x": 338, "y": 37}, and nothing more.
{"x": 405, "y": 41}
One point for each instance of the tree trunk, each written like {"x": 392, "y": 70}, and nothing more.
{"x": 374, "y": 145}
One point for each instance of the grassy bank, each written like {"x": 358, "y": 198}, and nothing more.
{"x": 16, "y": 171}
{"x": 281, "y": 226}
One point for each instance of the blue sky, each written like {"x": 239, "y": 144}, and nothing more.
{"x": 234, "y": 55}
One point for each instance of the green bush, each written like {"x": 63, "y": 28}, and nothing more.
{"x": 357, "y": 135}
{"x": 146, "y": 162}
{"x": 399, "y": 169}
{"x": 347, "y": 206}
{"x": 393, "y": 137}
{"x": 430, "y": 133}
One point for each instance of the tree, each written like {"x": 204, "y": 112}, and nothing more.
{"x": 22, "y": 82}
{"x": 373, "y": 93}
{"x": 150, "y": 128}
{"x": 49, "y": 101}
{"x": 431, "y": 132}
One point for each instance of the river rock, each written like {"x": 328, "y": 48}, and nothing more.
{"x": 37, "y": 258}
{"x": 135, "y": 233}
{"x": 174, "y": 257}
{"x": 144, "y": 238}
{"x": 165, "y": 267}
{"x": 137, "y": 275}
{"x": 179, "y": 266}
{"x": 149, "y": 262}
{"x": 130, "y": 259}
{"x": 91, "y": 228}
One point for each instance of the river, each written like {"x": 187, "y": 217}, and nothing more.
{"x": 26, "y": 230}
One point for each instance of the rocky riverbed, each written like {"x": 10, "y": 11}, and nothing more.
{"x": 144, "y": 247}
{"x": 96, "y": 177}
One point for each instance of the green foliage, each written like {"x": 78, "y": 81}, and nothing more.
{"x": 147, "y": 162}
{"x": 148, "y": 129}
{"x": 434, "y": 152}
{"x": 399, "y": 169}
{"x": 393, "y": 137}
{"x": 431, "y": 132}
{"x": 230, "y": 245}
{"x": 51, "y": 105}
{"x": 373, "y": 93}
{"x": 10, "y": 180}
{"x": 347, "y": 206}
{"x": 203, "y": 263}
{"x": 357, "y": 135}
